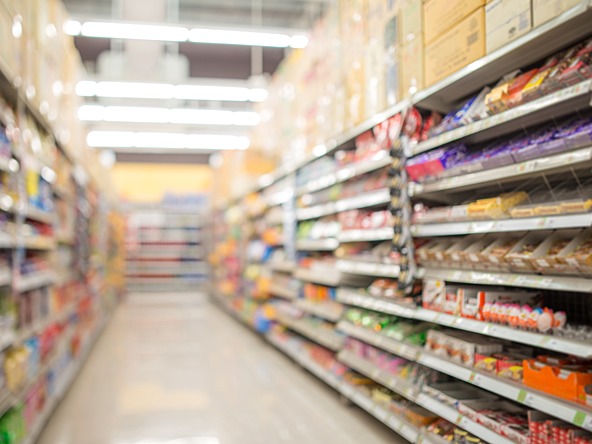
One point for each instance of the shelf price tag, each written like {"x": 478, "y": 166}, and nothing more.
{"x": 522, "y": 396}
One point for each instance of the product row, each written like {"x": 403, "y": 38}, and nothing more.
{"x": 561, "y": 252}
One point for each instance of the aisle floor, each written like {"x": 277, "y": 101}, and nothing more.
{"x": 175, "y": 369}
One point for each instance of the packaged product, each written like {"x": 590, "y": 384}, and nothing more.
{"x": 520, "y": 256}
{"x": 495, "y": 207}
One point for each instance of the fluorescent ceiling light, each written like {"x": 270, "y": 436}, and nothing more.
{"x": 246, "y": 38}
{"x": 182, "y": 116}
{"x": 136, "y": 31}
{"x": 127, "y": 139}
{"x": 130, "y": 31}
{"x": 132, "y": 90}
{"x": 135, "y": 90}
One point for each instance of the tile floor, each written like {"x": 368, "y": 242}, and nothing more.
{"x": 175, "y": 369}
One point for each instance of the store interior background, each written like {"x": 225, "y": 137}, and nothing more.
{"x": 147, "y": 175}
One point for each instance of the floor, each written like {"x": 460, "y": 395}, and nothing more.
{"x": 175, "y": 369}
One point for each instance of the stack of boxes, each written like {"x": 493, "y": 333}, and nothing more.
{"x": 367, "y": 55}
{"x": 40, "y": 58}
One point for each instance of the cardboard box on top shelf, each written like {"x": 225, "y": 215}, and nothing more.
{"x": 28, "y": 66}
{"x": 8, "y": 44}
{"x": 392, "y": 55}
{"x": 376, "y": 11}
{"x": 456, "y": 48}
{"x": 412, "y": 67}
{"x": 374, "y": 94}
{"x": 441, "y": 15}
{"x": 9, "y": 5}
{"x": 506, "y": 20}
{"x": 545, "y": 10}
{"x": 411, "y": 18}
{"x": 374, "y": 63}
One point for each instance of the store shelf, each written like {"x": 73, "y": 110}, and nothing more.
{"x": 572, "y": 413}
{"x": 7, "y": 203}
{"x": 413, "y": 393}
{"x": 561, "y": 162}
{"x": 282, "y": 266}
{"x": 546, "y": 282}
{"x": 503, "y": 226}
{"x": 394, "y": 422}
{"x": 379, "y": 340}
{"x": 39, "y": 243}
{"x": 354, "y": 297}
{"x": 331, "y": 311}
{"x": 282, "y": 291}
{"x": 5, "y": 277}
{"x": 7, "y": 241}
{"x": 366, "y": 200}
{"x": 328, "y": 244}
{"x": 368, "y": 268}
{"x": 566, "y": 101}
{"x": 548, "y": 342}
{"x": 167, "y": 270}
{"x": 323, "y": 336}
{"x": 542, "y": 41}
{"x": 62, "y": 387}
{"x": 370, "y": 235}
{"x": 33, "y": 281}
{"x": 345, "y": 173}
{"x": 37, "y": 215}
{"x": 331, "y": 277}
{"x": 65, "y": 238}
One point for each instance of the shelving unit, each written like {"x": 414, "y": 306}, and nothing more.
{"x": 164, "y": 248}
{"x": 389, "y": 286}
{"x": 58, "y": 219}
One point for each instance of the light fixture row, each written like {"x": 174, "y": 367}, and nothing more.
{"x": 140, "y": 90}
{"x": 180, "y": 116}
{"x": 163, "y": 33}
{"x": 155, "y": 140}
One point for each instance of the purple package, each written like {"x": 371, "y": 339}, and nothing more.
{"x": 444, "y": 158}
{"x": 548, "y": 143}
{"x": 522, "y": 150}
{"x": 497, "y": 157}
{"x": 579, "y": 134}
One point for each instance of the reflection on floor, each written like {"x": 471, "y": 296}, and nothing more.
{"x": 174, "y": 369}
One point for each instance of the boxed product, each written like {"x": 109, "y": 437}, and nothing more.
{"x": 578, "y": 253}
{"x": 474, "y": 303}
{"x": 565, "y": 381}
{"x": 545, "y": 10}
{"x": 546, "y": 258}
{"x": 503, "y": 417}
{"x": 412, "y": 67}
{"x": 495, "y": 207}
{"x": 438, "y": 296}
{"x": 520, "y": 256}
{"x": 441, "y": 15}
{"x": 506, "y": 20}
{"x": 460, "y": 346}
{"x": 495, "y": 254}
{"x": 411, "y": 14}
{"x": 456, "y": 48}
{"x": 455, "y": 255}
{"x": 472, "y": 256}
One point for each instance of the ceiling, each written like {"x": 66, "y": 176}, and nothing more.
{"x": 204, "y": 61}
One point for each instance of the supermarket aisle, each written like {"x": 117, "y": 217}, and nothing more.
{"x": 173, "y": 366}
